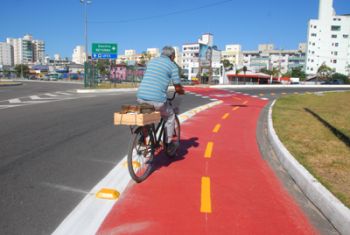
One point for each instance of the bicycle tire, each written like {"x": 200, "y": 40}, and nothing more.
{"x": 141, "y": 154}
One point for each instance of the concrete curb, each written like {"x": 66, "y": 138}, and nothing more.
{"x": 280, "y": 86}
{"x": 334, "y": 210}
{"x": 11, "y": 84}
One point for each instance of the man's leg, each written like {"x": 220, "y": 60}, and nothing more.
{"x": 170, "y": 122}
{"x": 168, "y": 115}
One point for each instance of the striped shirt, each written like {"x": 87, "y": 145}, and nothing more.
{"x": 160, "y": 72}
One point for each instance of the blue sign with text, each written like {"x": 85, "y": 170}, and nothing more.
{"x": 103, "y": 56}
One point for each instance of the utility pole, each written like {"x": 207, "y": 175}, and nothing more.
{"x": 86, "y": 2}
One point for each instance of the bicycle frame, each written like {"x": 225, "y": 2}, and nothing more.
{"x": 154, "y": 129}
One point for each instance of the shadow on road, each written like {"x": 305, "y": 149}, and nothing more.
{"x": 162, "y": 160}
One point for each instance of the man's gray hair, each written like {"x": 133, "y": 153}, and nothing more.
{"x": 168, "y": 51}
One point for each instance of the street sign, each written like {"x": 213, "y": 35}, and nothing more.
{"x": 104, "y": 50}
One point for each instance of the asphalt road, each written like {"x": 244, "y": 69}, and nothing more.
{"x": 54, "y": 149}
{"x": 52, "y": 154}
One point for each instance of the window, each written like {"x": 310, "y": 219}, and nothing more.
{"x": 336, "y": 44}
{"x": 335, "y": 53}
{"x": 334, "y": 36}
{"x": 334, "y": 61}
{"x": 345, "y": 36}
{"x": 313, "y": 35}
{"x": 335, "y": 28}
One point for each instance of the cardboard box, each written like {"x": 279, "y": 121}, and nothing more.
{"x": 136, "y": 119}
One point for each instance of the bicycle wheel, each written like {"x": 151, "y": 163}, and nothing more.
{"x": 175, "y": 138}
{"x": 141, "y": 153}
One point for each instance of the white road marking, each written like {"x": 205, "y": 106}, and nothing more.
{"x": 35, "y": 97}
{"x": 49, "y": 94}
{"x": 15, "y": 101}
{"x": 62, "y": 93}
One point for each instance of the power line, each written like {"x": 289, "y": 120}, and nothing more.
{"x": 161, "y": 15}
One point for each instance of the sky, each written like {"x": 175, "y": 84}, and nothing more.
{"x": 140, "y": 24}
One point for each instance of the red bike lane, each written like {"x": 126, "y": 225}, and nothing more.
{"x": 218, "y": 183}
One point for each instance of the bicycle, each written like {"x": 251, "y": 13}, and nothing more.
{"x": 144, "y": 143}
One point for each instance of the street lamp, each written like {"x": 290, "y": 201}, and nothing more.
{"x": 86, "y": 2}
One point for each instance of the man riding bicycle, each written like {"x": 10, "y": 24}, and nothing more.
{"x": 160, "y": 72}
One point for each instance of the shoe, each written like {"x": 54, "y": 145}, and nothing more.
{"x": 171, "y": 148}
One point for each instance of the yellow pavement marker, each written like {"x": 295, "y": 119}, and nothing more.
{"x": 107, "y": 193}
{"x": 205, "y": 195}
{"x": 225, "y": 116}
{"x": 216, "y": 128}
{"x": 235, "y": 108}
{"x": 209, "y": 150}
{"x": 135, "y": 164}
{"x": 245, "y": 102}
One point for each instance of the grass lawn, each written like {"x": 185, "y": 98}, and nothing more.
{"x": 299, "y": 123}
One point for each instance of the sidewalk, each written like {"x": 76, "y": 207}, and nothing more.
{"x": 218, "y": 184}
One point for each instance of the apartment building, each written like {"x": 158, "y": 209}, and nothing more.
{"x": 26, "y": 50}
{"x": 232, "y": 53}
{"x": 153, "y": 52}
{"x": 328, "y": 40}
{"x": 6, "y": 54}
{"x": 38, "y": 51}
{"x": 268, "y": 57}
{"x": 79, "y": 55}
{"x": 190, "y": 59}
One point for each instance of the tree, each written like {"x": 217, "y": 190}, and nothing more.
{"x": 245, "y": 69}
{"x": 266, "y": 71}
{"x": 22, "y": 69}
{"x": 324, "y": 72}
{"x": 298, "y": 72}
{"x": 227, "y": 65}
{"x": 103, "y": 67}
{"x": 338, "y": 77}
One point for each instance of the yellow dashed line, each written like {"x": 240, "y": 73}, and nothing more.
{"x": 235, "y": 108}
{"x": 225, "y": 116}
{"x": 272, "y": 93}
{"x": 237, "y": 98}
{"x": 216, "y": 128}
{"x": 205, "y": 195}
{"x": 209, "y": 150}
{"x": 284, "y": 93}
{"x": 261, "y": 94}
{"x": 245, "y": 102}
{"x": 296, "y": 92}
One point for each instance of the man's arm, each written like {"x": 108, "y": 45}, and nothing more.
{"x": 179, "y": 89}
{"x": 176, "y": 79}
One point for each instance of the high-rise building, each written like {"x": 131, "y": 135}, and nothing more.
{"x": 6, "y": 54}
{"x": 38, "y": 51}
{"x": 328, "y": 40}
{"x": 26, "y": 50}
{"x": 79, "y": 55}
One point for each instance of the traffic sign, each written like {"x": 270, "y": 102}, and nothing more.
{"x": 104, "y": 50}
